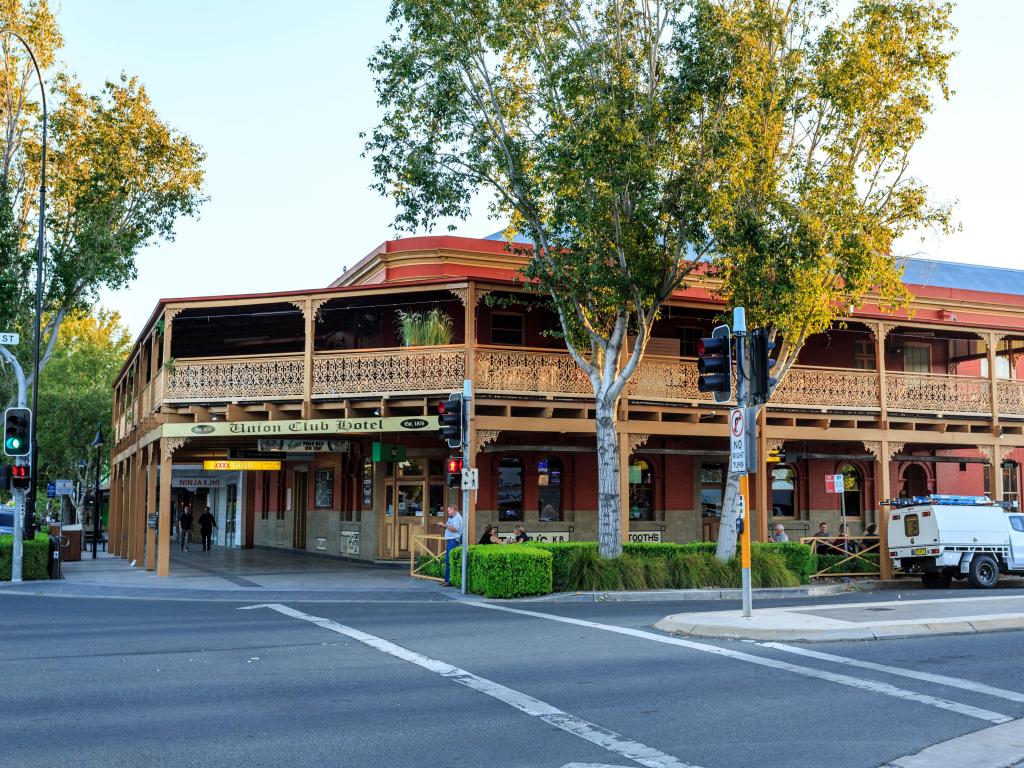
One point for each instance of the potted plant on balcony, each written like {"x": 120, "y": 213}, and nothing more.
{"x": 424, "y": 329}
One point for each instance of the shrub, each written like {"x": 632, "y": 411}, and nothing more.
{"x": 562, "y": 554}
{"x": 768, "y": 569}
{"x": 831, "y": 563}
{"x": 431, "y": 566}
{"x": 631, "y": 572}
{"x": 507, "y": 571}
{"x": 799, "y": 558}
{"x": 584, "y": 570}
{"x": 650, "y": 549}
{"x": 656, "y": 572}
{"x": 697, "y": 570}
{"x": 34, "y": 557}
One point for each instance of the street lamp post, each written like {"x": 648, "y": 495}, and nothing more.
{"x": 31, "y": 505}
{"x": 97, "y": 443}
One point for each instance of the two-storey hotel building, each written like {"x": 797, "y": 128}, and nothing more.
{"x": 306, "y": 422}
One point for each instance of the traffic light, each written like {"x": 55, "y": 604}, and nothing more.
{"x": 21, "y": 478}
{"x": 761, "y": 364}
{"x": 714, "y": 364}
{"x": 452, "y": 418}
{"x": 454, "y": 472}
{"x": 17, "y": 432}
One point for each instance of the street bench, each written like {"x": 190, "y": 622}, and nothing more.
{"x": 87, "y": 541}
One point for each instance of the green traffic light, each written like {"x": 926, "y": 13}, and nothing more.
{"x": 13, "y": 443}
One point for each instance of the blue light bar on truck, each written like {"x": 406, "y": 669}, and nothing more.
{"x": 941, "y": 499}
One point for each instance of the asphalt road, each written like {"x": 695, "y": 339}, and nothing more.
{"x": 106, "y": 682}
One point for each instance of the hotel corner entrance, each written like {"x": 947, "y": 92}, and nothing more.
{"x": 414, "y": 501}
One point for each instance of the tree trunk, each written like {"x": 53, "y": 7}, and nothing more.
{"x": 609, "y": 501}
{"x": 730, "y": 514}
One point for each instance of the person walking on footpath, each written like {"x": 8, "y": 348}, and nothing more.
{"x": 207, "y": 523}
{"x": 452, "y": 539}
{"x": 185, "y": 527}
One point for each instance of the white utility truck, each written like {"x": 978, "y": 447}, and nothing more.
{"x": 955, "y": 537}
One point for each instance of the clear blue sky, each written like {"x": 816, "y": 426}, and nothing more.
{"x": 278, "y": 93}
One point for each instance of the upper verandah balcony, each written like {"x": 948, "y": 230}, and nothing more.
{"x": 295, "y": 352}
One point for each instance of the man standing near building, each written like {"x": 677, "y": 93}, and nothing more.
{"x": 207, "y": 523}
{"x": 452, "y": 539}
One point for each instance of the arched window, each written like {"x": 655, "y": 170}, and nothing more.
{"x": 853, "y": 484}
{"x": 641, "y": 490}
{"x": 549, "y": 489}
{"x": 510, "y": 489}
{"x": 915, "y": 481}
{"x": 783, "y": 491}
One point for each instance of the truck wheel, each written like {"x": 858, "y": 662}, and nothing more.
{"x": 984, "y": 572}
{"x": 933, "y": 580}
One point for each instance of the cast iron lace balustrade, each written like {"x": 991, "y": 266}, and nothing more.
{"x": 249, "y": 378}
{"x": 413, "y": 370}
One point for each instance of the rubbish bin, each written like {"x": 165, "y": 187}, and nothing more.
{"x": 72, "y": 552}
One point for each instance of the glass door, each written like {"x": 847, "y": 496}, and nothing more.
{"x": 410, "y": 516}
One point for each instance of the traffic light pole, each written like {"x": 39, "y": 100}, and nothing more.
{"x": 739, "y": 329}
{"x": 467, "y": 458}
{"x": 18, "y": 546}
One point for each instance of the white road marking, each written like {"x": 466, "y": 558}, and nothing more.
{"x": 853, "y": 682}
{"x": 953, "y": 682}
{"x": 586, "y": 730}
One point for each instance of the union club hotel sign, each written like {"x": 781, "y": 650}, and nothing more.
{"x": 301, "y": 427}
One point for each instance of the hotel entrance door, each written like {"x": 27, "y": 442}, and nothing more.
{"x": 411, "y": 507}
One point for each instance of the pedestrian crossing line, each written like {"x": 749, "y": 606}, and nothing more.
{"x": 853, "y": 682}
{"x": 928, "y": 677}
{"x": 595, "y": 734}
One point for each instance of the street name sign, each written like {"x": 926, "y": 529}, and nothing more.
{"x": 9, "y": 339}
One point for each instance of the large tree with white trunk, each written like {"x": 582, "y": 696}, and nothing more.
{"x": 625, "y": 140}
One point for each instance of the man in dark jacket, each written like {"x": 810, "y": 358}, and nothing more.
{"x": 185, "y": 527}
{"x": 206, "y": 525}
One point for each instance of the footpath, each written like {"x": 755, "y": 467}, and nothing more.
{"x": 910, "y": 616}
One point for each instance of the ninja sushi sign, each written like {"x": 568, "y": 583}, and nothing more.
{"x": 301, "y": 427}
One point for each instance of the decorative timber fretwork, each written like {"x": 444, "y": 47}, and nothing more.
{"x": 828, "y": 386}
{"x": 987, "y": 451}
{"x": 171, "y": 444}
{"x": 316, "y": 305}
{"x": 883, "y": 329}
{"x": 482, "y": 437}
{"x": 775, "y": 443}
{"x": 235, "y": 379}
{"x": 874, "y": 447}
{"x": 635, "y": 439}
{"x": 169, "y": 315}
{"x": 398, "y": 370}
{"x": 462, "y": 294}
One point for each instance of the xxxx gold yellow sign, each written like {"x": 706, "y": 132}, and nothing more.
{"x": 301, "y": 427}
{"x": 238, "y": 464}
{"x": 246, "y": 465}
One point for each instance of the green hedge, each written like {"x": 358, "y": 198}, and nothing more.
{"x": 561, "y": 554}
{"x": 800, "y": 558}
{"x": 509, "y": 571}
{"x": 577, "y": 566}
{"x": 34, "y": 557}
{"x": 831, "y": 563}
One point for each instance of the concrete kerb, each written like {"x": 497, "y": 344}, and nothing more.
{"x": 768, "y": 627}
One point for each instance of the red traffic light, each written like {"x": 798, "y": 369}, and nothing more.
{"x": 20, "y": 477}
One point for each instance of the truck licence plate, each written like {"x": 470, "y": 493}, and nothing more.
{"x": 919, "y": 551}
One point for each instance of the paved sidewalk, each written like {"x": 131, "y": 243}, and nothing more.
{"x": 237, "y": 575}
{"x": 856, "y": 621}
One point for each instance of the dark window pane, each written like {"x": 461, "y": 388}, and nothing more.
{"x": 641, "y": 490}
{"x": 510, "y": 489}
{"x": 507, "y": 329}
{"x": 549, "y": 490}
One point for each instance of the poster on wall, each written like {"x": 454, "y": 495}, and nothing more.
{"x": 324, "y": 498}
{"x": 305, "y": 446}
